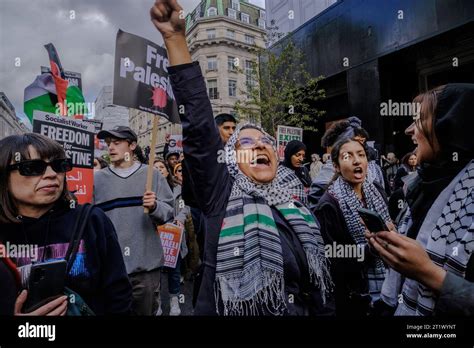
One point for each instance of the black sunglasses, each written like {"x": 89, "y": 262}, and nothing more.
{"x": 38, "y": 167}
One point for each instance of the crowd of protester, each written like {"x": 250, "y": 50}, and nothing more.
{"x": 257, "y": 232}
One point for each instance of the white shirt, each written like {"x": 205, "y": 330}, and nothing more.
{"x": 126, "y": 172}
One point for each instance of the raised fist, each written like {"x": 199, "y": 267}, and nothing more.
{"x": 168, "y": 18}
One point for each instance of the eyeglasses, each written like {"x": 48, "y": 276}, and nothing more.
{"x": 248, "y": 142}
{"x": 38, "y": 167}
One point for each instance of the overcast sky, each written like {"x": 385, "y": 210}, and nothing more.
{"x": 85, "y": 43}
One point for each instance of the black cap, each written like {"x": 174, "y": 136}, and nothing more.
{"x": 172, "y": 153}
{"x": 119, "y": 132}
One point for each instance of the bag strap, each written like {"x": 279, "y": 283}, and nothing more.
{"x": 78, "y": 231}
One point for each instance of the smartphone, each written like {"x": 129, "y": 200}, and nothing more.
{"x": 372, "y": 220}
{"x": 46, "y": 283}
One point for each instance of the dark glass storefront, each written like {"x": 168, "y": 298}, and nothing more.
{"x": 376, "y": 51}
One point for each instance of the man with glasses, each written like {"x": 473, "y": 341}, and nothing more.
{"x": 120, "y": 191}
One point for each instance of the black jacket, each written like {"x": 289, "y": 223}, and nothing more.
{"x": 8, "y": 289}
{"x": 349, "y": 275}
{"x": 212, "y": 186}
{"x": 98, "y": 273}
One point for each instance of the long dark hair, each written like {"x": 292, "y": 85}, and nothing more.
{"x": 138, "y": 153}
{"x": 15, "y": 146}
{"x": 406, "y": 161}
{"x": 169, "y": 178}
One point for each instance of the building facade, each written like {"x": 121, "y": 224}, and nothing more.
{"x": 288, "y": 15}
{"x": 109, "y": 114}
{"x": 142, "y": 123}
{"x": 222, "y": 36}
{"x": 10, "y": 124}
{"x": 374, "y": 53}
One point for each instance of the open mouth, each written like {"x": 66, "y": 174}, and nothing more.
{"x": 261, "y": 160}
{"x": 358, "y": 173}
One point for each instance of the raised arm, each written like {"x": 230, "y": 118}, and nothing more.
{"x": 168, "y": 18}
{"x": 202, "y": 144}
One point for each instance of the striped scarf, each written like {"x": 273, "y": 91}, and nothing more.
{"x": 447, "y": 234}
{"x": 249, "y": 271}
{"x": 375, "y": 174}
{"x": 349, "y": 204}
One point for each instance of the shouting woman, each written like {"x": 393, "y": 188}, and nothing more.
{"x": 263, "y": 252}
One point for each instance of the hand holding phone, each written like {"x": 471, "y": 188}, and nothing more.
{"x": 373, "y": 221}
{"x": 57, "y": 307}
{"x": 45, "y": 284}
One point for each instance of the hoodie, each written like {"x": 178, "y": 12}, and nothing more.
{"x": 98, "y": 273}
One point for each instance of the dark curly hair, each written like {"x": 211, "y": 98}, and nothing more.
{"x": 337, "y": 129}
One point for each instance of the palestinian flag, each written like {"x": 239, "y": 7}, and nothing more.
{"x": 58, "y": 76}
{"x": 41, "y": 95}
{"x": 50, "y": 92}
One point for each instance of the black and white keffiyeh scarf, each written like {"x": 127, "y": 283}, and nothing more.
{"x": 249, "y": 271}
{"x": 447, "y": 234}
{"x": 349, "y": 204}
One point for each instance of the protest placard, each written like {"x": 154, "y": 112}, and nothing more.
{"x": 171, "y": 236}
{"x": 286, "y": 134}
{"x": 176, "y": 143}
{"x": 77, "y": 138}
{"x": 141, "y": 78}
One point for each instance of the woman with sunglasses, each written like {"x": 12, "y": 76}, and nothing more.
{"x": 431, "y": 258}
{"x": 36, "y": 210}
{"x": 263, "y": 251}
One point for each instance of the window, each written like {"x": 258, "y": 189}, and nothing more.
{"x": 245, "y": 18}
{"x": 232, "y": 88}
{"x": 211, "y": 33}
{"x": 249, "y": 39}
{"x": 212, "y": 11}
{"x": 235, "y": 5}
{"x": 232, "y": 13}
{"x": 212, "y": 89}
{"x": 262, "y": 14}
{"x": 261, "y": 23}
{"x": 230, "y": 34}
{"x": 249, "y": 81}
{"x": 231, "y": 63}
{"x": 212, "y": 63}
